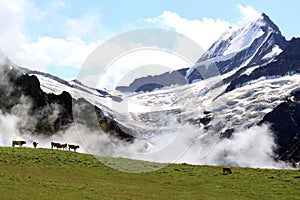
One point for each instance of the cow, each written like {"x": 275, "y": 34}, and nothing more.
{"x": 72, "y": 146}
{"x": 35, "y": 144}
{"x": 226, "y": 170}
{"x": 54, "y": 144}
{"x": 20, "y": 143}
{"x": 63, "y": 146}
{"x": 58, "y": 145}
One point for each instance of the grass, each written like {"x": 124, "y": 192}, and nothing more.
{"x": 27, "y": 173}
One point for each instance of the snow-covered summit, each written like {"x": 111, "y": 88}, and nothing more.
{"x": 257, "y": 43}
{"x": 235, "y": 40}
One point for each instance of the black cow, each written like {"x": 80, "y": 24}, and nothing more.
{"x": 58, "y": 145}
{"x": 63, "y": 146}
{"x": 35, "y": 144}
{"x": 54, "y": 144}
{"x": 72, "y": 146}
{"x": 227, "y": 170}
{"x": 16, "y": 142}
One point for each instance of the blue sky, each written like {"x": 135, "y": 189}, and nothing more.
{"x": 116, "y": 14}
{"x": 56, "y": 36}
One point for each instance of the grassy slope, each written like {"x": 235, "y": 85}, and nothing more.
{"x": 27, "y": 173}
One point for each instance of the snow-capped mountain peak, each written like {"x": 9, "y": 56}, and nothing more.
{"x": 236, "y": 52}
{"x": 243, "y": 38}
{"x": 234, "y": 40}
{"x": 257, "y": 43}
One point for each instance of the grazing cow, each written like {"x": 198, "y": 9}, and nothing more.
{"x": 54, "y": 144}
{"x": 58, "y": 145}
{"x": 20, "y": 143}
{"x": 63, "y": 145}
{"x": 35, "y": 144}
{"x": 72, "y": 146}
{"x": 226, "y": 170}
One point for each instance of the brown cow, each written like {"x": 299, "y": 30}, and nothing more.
{"x": 20, "y": 143}
{"x": 58, "y": 145}
{"x": 72, "y": 146}
{"x": 63, "y": 146}
{"x": 54, "y": 144}
{"x": 35, "y": 144}
{"x": 226, "y": 170}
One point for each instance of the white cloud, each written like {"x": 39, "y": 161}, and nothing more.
{"x": 248, "y": 14}
{"x": 204, "y": 32}
{"x": 58, "y": 4}
{"x": 127, "y": 68}
{"x": 12, "y": 20}
{"x": 55, "y": 52}
{"x": 88, "y": 26}
{"x": 37, "y": 53}
{"x": 84, "y": 25}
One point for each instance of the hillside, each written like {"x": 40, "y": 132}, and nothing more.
{"x": 27, "y": 173}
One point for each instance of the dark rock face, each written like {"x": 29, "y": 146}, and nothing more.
{"x": 93, "y": 118}
{"x": 206, "y": 119}
{"x": 288, "y": 62}
{"x": 285, "y": 123}
{"x": 148, "y": 87}
{"x": 149, "y": 83}
{"x": 296, "y": 94}
{"x": 48, "y": 113}
{"x": 227, "y": 133}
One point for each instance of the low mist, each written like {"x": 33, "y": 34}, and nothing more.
{"x": 254, "y": 147}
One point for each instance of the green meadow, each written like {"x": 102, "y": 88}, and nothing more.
{"x": 27, "y": 173}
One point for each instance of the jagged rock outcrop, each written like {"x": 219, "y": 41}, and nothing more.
{"x": 48, "y": 113}
{"x": 149, "y": 83}
{"x": 285, "y": 123}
